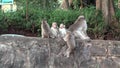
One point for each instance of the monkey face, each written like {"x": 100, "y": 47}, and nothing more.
{"x": 62, "y": 26}
{"x": 54, "y": 25}
{"x": 43, "y": 22}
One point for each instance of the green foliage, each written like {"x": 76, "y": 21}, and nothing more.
{"x": 62, "y": 16}
{"x": 76, "y": 4}
{"x": 118, "y": 14}
{"x": 3, "y": 24}
{"x": 35, "y": 15}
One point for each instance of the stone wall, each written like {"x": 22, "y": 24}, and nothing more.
{"x": 31, "y": 52}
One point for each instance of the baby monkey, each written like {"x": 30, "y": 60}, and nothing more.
{"x": 62, "y": 30}
{"x": 54, "y": 29}
{"x": 70, "y": 40}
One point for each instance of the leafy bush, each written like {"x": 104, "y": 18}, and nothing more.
{"x": 3, "y": 23}
{"x": 118, "y": 14}
{"x": 35, "y": 15}
{"x": 62, "y": 16}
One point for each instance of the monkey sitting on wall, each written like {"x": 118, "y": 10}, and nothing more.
{"x": 70, "y": 40}
{"x": 62, "y": 30}
{"x": 79, "y": 28}
{"x": 54, "y": 29}
{"x": 45, "y": 30}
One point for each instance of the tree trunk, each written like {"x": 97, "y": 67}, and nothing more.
{"x": 98, "y": 4}
{"x": 118, "y": 3}
{"x": 112, "y": 12}
{"x": 66, "y": 4}
{"x": 81, "y": 4}
{"x": 107, "y": 7}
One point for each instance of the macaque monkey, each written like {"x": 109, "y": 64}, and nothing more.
{"x": 70, "y": 40}
{"x": 54, "y": 29}
{"x": 79, "y": 28}
{"x": 62, "y": 30}
{"x": 45, "y": 30}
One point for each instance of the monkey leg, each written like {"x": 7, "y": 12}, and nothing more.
{"x": 69, "y": 50}
{"x": 85, "y": 35}
{"x": 45, "y": 35}
{"x": 80, "y": 35}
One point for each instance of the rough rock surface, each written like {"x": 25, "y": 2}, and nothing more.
{"x": 31, "y": 52}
